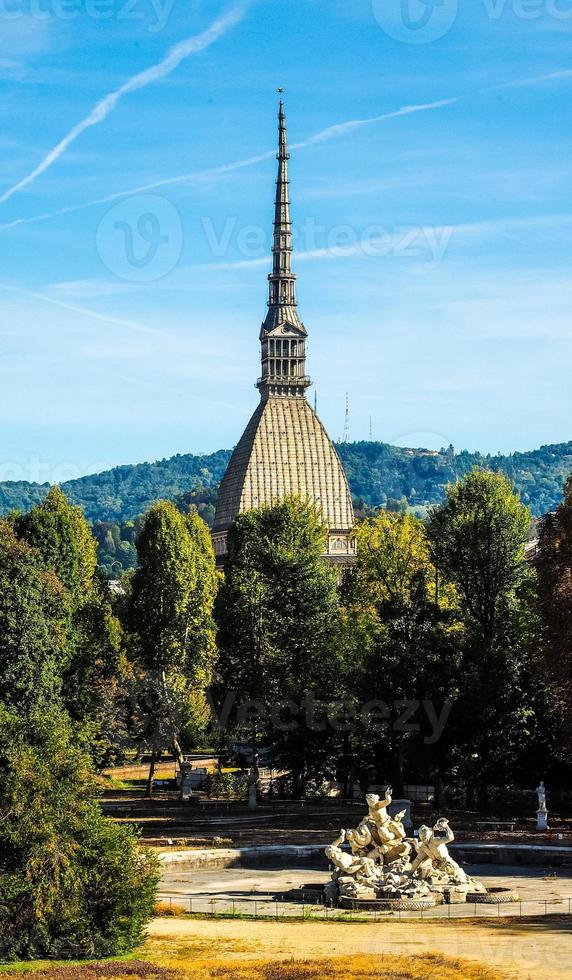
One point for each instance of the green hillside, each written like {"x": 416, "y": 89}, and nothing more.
{"x": 378, "y": 474}
{"x": 124, "y": 492}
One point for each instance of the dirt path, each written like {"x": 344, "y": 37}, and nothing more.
{"x": 523, "y": 951}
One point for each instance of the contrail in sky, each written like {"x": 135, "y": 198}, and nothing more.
{"x": 178, "y": 53}
{"x": 550, "y": 76}
{"x": 332, "y": 132}
{"x": 347, "y": 127}
{"x": 119, "y": 321}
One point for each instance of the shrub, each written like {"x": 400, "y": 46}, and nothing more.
{"x": 227, "y": 785}
{"x": 72, "y": 882}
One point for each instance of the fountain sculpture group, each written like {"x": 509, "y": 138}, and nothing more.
{"x": 384, "y": 865}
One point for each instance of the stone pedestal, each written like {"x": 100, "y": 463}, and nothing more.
{"x": 186, "y": 785}
{"x": 396, "y": 806}
{"x": 542, "y": 819}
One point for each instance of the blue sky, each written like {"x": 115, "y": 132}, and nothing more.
{"x": 431, "y": 173}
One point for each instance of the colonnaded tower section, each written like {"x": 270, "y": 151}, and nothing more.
{"x": 285, "y": 449}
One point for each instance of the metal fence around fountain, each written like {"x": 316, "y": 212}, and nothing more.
{"x": 281, "y": 908}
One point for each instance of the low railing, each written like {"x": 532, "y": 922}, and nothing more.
{"x": 272, "y": 907}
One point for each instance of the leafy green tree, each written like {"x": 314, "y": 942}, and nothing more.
{"x": 553, "y": 563}
{"x": 72, "y": 882}
{"x": 279, "y": 634}
{"x": 172, "y": 594}
{"x": 62, "y": 536}
{"x": 63, "y": 543}
{"x": 202, "y": 637}
{"x": 34, "y": 625}
{"x": 478, "y": 538}
{"x": 403, "y": 638}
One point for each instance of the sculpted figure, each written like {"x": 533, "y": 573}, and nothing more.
{"x": 433, "y": 853}
{"x": 399, "y": 849}
{"x": 374, "y": 828}
{"x": 377, "y": 807}
{"x": 362, "y": 869}
{"x": 360, "y": 839}
{"x": 422, "y": 864}
{"x": 541, "y": 790}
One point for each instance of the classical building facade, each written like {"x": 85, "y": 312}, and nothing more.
{"x": 285, "y": 449}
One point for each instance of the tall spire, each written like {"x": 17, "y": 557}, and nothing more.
{"x": 283, "y": 360}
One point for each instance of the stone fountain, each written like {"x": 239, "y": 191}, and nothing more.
{"x": 377, "y": 865}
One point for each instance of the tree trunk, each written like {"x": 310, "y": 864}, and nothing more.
{"x": 175, "y": 744}
{"x": 398, "y": 779}
{"x": 255, "y": 773}
{"x": 440, "y": 794}
{"x": 297, "y": 784}
{"x": 345, "y": 775}
{"x": 149, "y": 786}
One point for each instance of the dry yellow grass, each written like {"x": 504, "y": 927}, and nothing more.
{"x": 424, "y": 967}
{"x": 165, "y": 909}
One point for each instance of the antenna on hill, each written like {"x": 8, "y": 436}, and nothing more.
{"x": 370, "y": 430}
{"x": 346, "y": 435}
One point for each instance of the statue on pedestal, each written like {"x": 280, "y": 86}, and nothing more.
{"x": 542, "y": 812}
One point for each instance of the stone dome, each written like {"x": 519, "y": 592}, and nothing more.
{"x": 285, "y": 451}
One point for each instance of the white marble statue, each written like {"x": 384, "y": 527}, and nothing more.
{"x": 380, "y": 865}
{"x": 542, "y": 812}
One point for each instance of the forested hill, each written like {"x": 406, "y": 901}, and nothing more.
{"x": 378, "y": 474}
{"x": 125, "y": 492}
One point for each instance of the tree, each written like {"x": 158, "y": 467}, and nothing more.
{"x": 279, "y": 634}
{"x": 172, "y": 594}
{"x": 64, "y": 545}
{"x": 478, "y": 537}
{"x": 202, "y": 637}
{"x": 404, "y": 641}
{"x": 34, "y": 625}
{"x": 72, "y": 882}
{"x": 62, "y": 536}
{"x": 553, "y": 563}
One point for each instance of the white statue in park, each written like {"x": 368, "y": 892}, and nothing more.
{"x": 542, "y": 812}
{"x": 380, "y": 864}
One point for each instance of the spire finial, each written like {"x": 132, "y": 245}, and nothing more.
{"x": 282, "y": 138}
{"x": 283, "y": 334}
